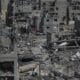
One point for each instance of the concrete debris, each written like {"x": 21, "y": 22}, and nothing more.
{"x": 63, "y": 44}
{"x": 40, "y": 40}
{"x": 27, "y": 67}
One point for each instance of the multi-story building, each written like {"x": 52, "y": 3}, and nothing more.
{"x": 74, "y": 8}
{"x": 28, "y": 12}
{"x": 48, "y": 10}
{"x": 55, "y": 11}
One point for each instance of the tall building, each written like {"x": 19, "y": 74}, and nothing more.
{"x": 48, "y": 10}
{"x": 55, "y": 12}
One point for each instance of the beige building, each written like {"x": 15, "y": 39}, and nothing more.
{"x": 4, "y": 4}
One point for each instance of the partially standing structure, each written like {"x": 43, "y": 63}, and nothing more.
{"x": 9, "y": 67}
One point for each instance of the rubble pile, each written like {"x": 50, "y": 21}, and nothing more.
{"x": 41, "y": 38}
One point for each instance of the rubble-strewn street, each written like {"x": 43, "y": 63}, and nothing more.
{"x": 39, "y": 39}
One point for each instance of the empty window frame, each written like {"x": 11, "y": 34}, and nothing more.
{"x": 7, "y": 67}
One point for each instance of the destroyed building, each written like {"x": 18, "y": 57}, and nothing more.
{"x": 39, "y": 40}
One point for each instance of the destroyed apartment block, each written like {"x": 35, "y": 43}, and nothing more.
{"x": 39, "y": 40}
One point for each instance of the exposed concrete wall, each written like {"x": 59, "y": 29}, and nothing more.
{"x": 11, "y": 58}
{"x": 4, "y": 4}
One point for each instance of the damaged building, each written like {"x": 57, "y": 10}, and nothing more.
{"x": 39, "y": 40}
